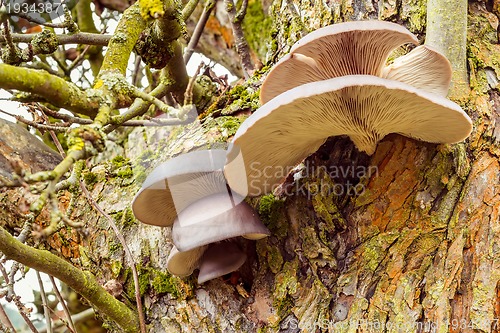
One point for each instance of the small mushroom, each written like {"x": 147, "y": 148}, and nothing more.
{"x": 220, "y": 259}
{"x": 366, "y": 108}
{"x": 423, "y": 68}
{"x": 213, "y": 219}
{"x": 179, "y": 182}
{"x": 340, "y": 49}
{"x": 200, "y": 233}
{"x": 184, "y": 263}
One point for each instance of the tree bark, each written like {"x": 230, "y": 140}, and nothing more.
{"x": 414, "y": 247}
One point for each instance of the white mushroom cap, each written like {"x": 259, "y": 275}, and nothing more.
{"x": 213, "y": 219}
{"x": 177, "y": 183}
{"x": 184, "y": 263}
{"x": 220, "y": 259}
{"x": 349, "y": 48}
{"x": 424, "y": 68}
{"x": 284, "y": 131}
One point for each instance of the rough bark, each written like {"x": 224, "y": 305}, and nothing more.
{"x": 416, "y": 251}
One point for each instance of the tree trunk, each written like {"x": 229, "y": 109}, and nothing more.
{"x": 406, "y": 240}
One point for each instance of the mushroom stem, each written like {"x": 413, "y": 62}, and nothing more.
{"x": 447, "y": 32}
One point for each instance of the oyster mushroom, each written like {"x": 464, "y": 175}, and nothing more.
{"x": 208, "y": 223}
{"x": 290, "y": 127}
{"x": 179, "y": 182}
{"x": 357, "y": 48}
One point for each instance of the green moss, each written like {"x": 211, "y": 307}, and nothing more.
{"x": 119, "y": 161}
{"x": 241, "y": 97}
{"x": 417, "y": 16}
{"x": 274, "y": 259}
{"x": 272, "y": 214}
{"x": 257, "y": 28}
{"x": 286, "y": 285}
{"x": 90, "y": 178}
{"x": 125, "y": 173}
{"x": 228, "y": 125}
{"x": 164, "y": 283}
{"x": 114, "y": 247}
{"x": 116, "y": 268}
{"x": 125, "y": 220}
{"x": 327, "y": 210}
{"x": 140, "y": 174}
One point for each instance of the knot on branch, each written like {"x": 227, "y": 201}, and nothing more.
{"x": 78, "y": 138}
{"x": 45, "y": 42}
{"x": 153, "y": 52}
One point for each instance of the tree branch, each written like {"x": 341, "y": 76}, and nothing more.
{"x": 239, "y": 38}
{"x": 123, "y": 41}
{"x": 83, "y": 283}
{"x": 78, "y": 38}
{"x": 447, "y": 32}
{"x": 53, "y": 89}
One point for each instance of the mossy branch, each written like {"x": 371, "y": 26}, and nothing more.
{"x": 53, "y": 89}
{"x": 447, "y": 32}
{"x": 82, "y": 282}
{"x": 123, "y": 41}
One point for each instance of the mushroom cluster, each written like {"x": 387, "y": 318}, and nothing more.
{"x": 335, "y": 81}
{"x": 190, "y": 194}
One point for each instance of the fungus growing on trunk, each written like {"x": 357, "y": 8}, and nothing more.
{"x": 364, "y": 107}
{"x": 358, "y": 48}
{"x": 191, "y": 193}
{"x": 177, "y": 183}
{"x": 208, "y": 223}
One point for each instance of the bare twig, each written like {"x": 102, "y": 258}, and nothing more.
{"x": 78, "y": 58}
{"x": 155, "y": 122}
{"x": 78, "y": 38}
{"x": 198, "y": 30}
{"x": 240, "y": 41}
{"x": 136, "y": 76}
{"x": 79, "y": 317}
{"x": 188, "y": 95}
{"x": 68, "y": 118}
{"x": 39, "y": 21}
{"x": 45, "y": 302}
{"x": 61, "y": 128}
{"x": 120, "y": 237}
{"x": 4, "y": 319}
{"x": 155, "y": 101}
{"x": 71, "y": 326}
{"x": 13, "y": 297}
{"x": 243, "y": 11}
{"x": 189, "y": 9}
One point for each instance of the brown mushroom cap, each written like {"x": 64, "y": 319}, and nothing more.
{"x": 220, "y": 259}
{"x": 184, "y": 263}
{"x": 213, "y": 219}
{"x": 177, "y": 183}
{"x": 349, "y": 48}
{"x": 283, "y": 132}
{"x": 424, "y": 68}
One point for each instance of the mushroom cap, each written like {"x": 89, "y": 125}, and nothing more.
{"x": 290, "y": 127}
{"x": 349, "y": 48}
{"x": 424, "y": 68}
{"x": 177, "y": 183}
{"x": 184, "y": 263}
{"x": 213, "y": 219}
{"x": 220, "y": 259}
